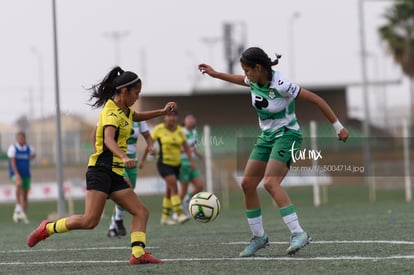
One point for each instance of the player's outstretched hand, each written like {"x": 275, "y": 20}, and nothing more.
{"x": 343, "y": 134}
{"x": 169, "y": 107}
{"x": 206, "y": 69}
{"x": 128, "y": 162}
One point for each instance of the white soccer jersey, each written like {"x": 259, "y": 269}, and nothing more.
{"x": 191, "y": 141}
{"x": 137, "y": 129}
{"x": 275, "y": 103}
{"x": 11, "y": 152}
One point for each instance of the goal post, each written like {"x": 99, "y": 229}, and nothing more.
{"x": 314, "y": 144}
{"x": 407, "y": 176}
{"x": 207, "y": 158}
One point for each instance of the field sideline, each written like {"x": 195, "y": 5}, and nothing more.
{"x": 351, "y": 236}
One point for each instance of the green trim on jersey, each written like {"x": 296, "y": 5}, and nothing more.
{"x": 191, "y": 137}
{"x": 133, "y": 140}
{"x": 274, "y": 103}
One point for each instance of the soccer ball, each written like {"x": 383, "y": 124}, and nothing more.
{"x": 204, "y": 207}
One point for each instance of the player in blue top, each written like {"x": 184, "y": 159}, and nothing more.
{"x": 273, "y": 98}
{"x": 20, "y": 154}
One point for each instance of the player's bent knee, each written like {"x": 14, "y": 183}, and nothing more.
{"x": 248, "y": 186}
{"x": 141, "y": 212}
{"x": 90, "y": 223}
{"x": 270, "y": 184}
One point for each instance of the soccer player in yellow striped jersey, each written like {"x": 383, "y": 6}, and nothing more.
{"x": 117, "y": 92}
{"x": 171, "y": 138}
{"x": 116, "y": 226}
{"x": 273, "y": 98}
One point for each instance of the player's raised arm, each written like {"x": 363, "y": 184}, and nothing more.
{"x": 307, "y": 95}
{"x": 232, "y": 78}
{"x": 146, "y": 115}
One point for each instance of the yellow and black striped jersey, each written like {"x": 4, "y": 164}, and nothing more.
{"x": 111, "y": 115}
{"x": 170, "y": 143}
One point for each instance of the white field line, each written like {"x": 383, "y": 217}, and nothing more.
{"x": 339, "y": 242}
{"x": 228, "y": 243}
{"x": 338, "y": 258}
{"x": 71, "y": 249}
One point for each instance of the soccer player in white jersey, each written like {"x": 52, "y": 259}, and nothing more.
{"x": 273, "y": 98}
{"x": 188, "y": 175}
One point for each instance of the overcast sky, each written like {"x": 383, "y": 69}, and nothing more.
{"x": 164, "y": 40}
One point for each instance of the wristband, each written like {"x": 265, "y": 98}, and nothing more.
{"x": 337, "y": 126}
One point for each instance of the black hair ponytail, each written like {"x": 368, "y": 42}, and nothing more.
{"x": 276, "y": 61}
{"x": 254, "y": 55}
{"x": 115, "y": 80}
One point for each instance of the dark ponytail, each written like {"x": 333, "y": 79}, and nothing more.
{"x": 254, "y": 55}
{"x": 115, "y": 80}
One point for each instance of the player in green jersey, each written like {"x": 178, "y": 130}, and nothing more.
{"x": 187, "y": 175}
{"x": 273, "y": 98}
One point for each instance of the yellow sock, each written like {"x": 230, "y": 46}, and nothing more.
{"x": 57, "y": 227}
{"x": 176, "y": 204}
{"x": 138, "y": 243}
{"x": 166, "y": 207}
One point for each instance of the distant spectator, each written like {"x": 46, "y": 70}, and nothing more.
{"x": 20, "y": 154}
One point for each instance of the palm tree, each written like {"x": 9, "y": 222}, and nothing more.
{"x": 398, "y": 34}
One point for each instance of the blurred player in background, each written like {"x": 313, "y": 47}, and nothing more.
{"x": 116, "y": 227}
{"x": 273, "y": 98}
{"x": 117, "y": 92}
{"x": 171, "y": 138}
{"x": 188, "y": 175}
{"x": 20, "y": 154}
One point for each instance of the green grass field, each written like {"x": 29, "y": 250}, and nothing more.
{"x": 350, "y": 236}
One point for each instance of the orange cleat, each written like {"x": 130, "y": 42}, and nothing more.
{"x": 144, "y": 259}
{"x": 39, "y": 234}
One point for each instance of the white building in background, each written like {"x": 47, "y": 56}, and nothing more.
{"x": 41, "y": 134}
{"x": 7, "y": 136}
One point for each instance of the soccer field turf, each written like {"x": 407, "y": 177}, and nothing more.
{"x": 350, "y": 236}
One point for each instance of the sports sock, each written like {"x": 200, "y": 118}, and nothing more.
{"x": 187, "y": 199}
{"x": 186, "y": 202}
{"x": 138, "y": 243}
{"x": 166, "y": 207}
{"x": 18, "y": 208}
{"x": 290, "y": 218}
{"x": 176, "y": 205}
{"x": 188, "y": 196}
{"x": 112, "y": 224}
{"x": 254, "y": 218}
{"x": 119, "y": 213}
{"x": 57, "y": 227}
